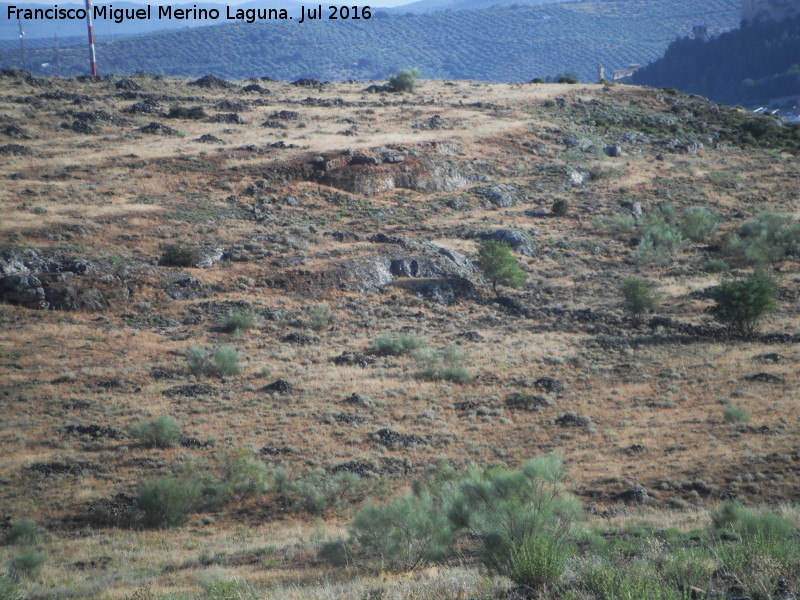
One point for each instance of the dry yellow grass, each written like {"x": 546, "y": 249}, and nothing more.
{"x": 654, "y": 400}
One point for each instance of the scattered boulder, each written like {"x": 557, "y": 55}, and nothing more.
{"x": 550, "y": 385}
{"x": 229, "y": 118}
{"x": 573, "y": 420}
{"x": 93, "y": 431}
{"x": 128, "y": 85}
{"x": 613, "y": 151}
{"x": 443, "y": 290}
{"x": 382, "y": 238}
{"x": 191, "y": 390}
{"x": 377, "y": 89}
{"x": 764, "y": 378}
{"x": 23, "y": 289}
{"x": 531, "y": 402}
{"x": 15, "y": 132}
{"x": 578, "y": 178}
{"x": 636, "y": 495}
{"x": 298, "y": 338}
{"x": 348, "y": 358}
{"x": 181, "y": 286}
{"x": 231, "y": 106}
{"x": 279, "y": 386}
{"x": 356, "y": 400}
{"x": 206, "y": 257}
{"x": 156, "y": 128}
{"x": 520, "y": 241}
{"x": 309, "y": 82}
{"x": 15, "y": 150}
{"x": 285, "y": 115}
{"x": 212, "y": 81}
{"x": 207, "y": 138}
{"x": 393, "y": 439}
{"x": 255, "y": 88}
{"x": 498, "y": 196}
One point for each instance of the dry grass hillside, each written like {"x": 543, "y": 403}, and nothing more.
{"x": 305, "y": 221}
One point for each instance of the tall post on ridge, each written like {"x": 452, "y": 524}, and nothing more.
{"x": 92, "y": 59}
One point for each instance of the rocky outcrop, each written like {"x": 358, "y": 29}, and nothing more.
{"x": 32, "y": 280}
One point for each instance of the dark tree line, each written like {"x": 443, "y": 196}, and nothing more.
{"x": 747, "y": 66}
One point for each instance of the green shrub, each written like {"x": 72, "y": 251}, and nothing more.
{"x": 499, "y": 266}
{"x": 742, "y": 303}
{"x": 23, "y": 531}
{"x": 176, "y": 255}
{"x": 504, "y": 508}
{"x": 161, "y": 432}
{"x": 683, "y": 568}
{"x": 226, "y": 361}
{"x": 389, "y": 345}
{"x": 638, "y": 297}
{"x": 660, "y": 242}
{"x": 748, "y": 524}
{"x": 407, "y": 533}
{"x": 166, "y": 502}
{"x": 618, "y": 223}
{"x": 715, "y": 265}
{"x": 319, "y": 316}
{"x": 318, "y": 490}
{"x": 767, "y": 238}
{"x": 26, "y": 565}
{"x": 245, "y": 475}
{"x": 239, "y": 320}
{"x": 539, "y": 560}
{"x": 198, "y": 362}
{"x": 734, "y": 414}
{"x": 217, "y": 588}
{"x": 632, "y": 582}
{"x": 405, "y": 80}
{"x": 699, "y": 224}
{"x": 764, "y": 549}
{"x": 8, "y": 588}
{"x": 443, "y": 364}
{"x": 560, "y": 207}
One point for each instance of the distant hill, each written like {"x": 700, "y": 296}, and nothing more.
{"x": 497, "y": 44}
{"x": 757, "y": 64}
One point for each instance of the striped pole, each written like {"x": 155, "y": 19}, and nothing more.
{"x": 92, "y": 59}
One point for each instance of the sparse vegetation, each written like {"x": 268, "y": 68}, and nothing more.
{"x": 699, "y": 224}
{"x": 638, "y": 297}
{"x": 161, "y": 432}
{"x": 498, "y": 264}
{"x": 742, "y": 303}
{"x": 178, "y": 255}
{"x": 319, "y": 316}
{"x": 239, "y": 320}
{"x": 166, "y": 502}
{"x": 768, "y": 238}
{"x": 560, "y": 207}
{"x": 405, "y": 80}
{"x": 446, "y": 364}
{"x": 23, "y": 531}
{"x": 365, "y": 410}
{"x": 26, "y": 565}
{"x": 222, "y": 363}
{"x": 734, "y": 414}
{"x": 396, "y": 345}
